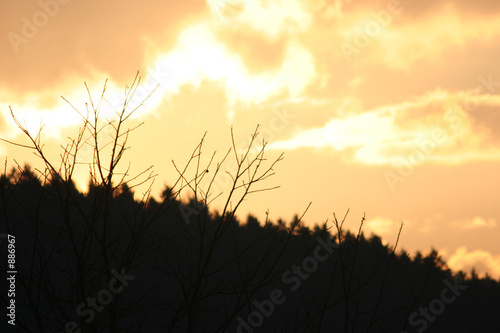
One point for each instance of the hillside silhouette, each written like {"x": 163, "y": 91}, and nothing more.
{"x": 208, "y": 274}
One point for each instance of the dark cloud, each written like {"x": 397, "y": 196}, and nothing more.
{"x": 485, "y": 7}
{"x": 487, "y": 118}
{"x": 258, "y": 53}
{"x": 108, "y": 37}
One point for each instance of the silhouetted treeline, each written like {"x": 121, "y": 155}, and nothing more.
{"x": 103, "y": 262}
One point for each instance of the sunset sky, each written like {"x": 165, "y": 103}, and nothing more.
{"x": 386, "y": 108}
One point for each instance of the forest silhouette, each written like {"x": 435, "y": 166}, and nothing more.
{"x": 108, "y": 260}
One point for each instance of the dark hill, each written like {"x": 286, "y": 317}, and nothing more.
{"x": 103, "y": 262}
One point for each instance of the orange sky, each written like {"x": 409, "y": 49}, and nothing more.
{"x": 384, "y": 107}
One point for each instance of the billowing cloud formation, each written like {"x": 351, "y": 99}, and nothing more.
{"x": 270, "y": 18}
{"x": 63, "y": 39}
{"x": 483, "y": 261}
{"x": 437, "y": 128}
{"x": 393, "y": 43}
{"x": 197, "y": 55}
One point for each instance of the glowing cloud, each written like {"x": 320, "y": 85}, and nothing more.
{"x": 196, "y": 57}
{"x": 434, "y": 129}
{"x": 271, "y": 18}
{"x": 381, "y": 226}
{"x": 483, "y": 261}
{"x": 475, "y": 223}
